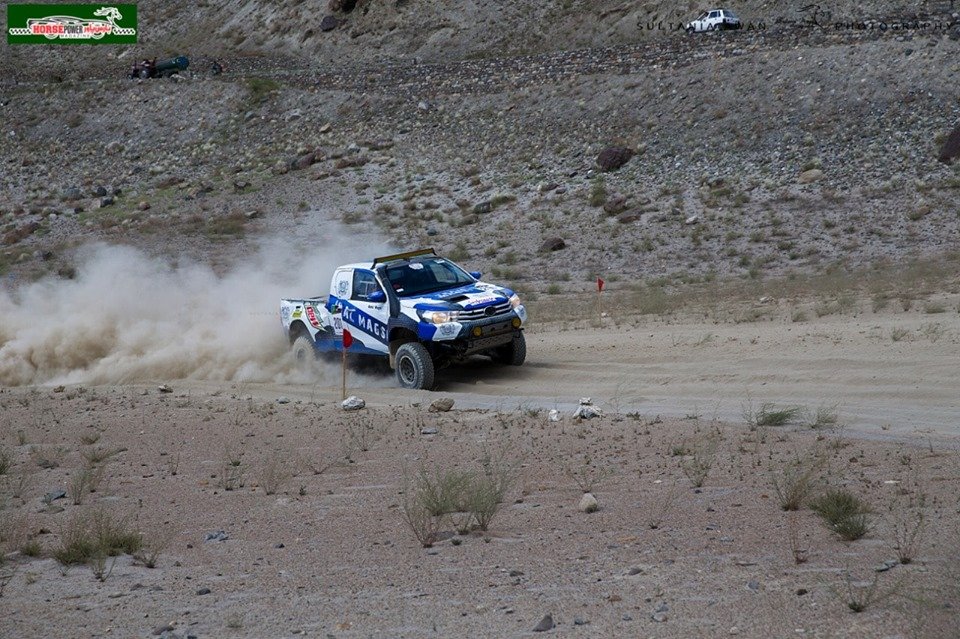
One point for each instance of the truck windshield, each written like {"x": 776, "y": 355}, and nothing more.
{"x": 426, "y": 275}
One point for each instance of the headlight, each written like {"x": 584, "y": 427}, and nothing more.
{"x": 514, "y": 300}
{"x": 439, "y": 317}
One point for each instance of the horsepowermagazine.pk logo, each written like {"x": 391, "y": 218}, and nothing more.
{"x": 71, "y": 24}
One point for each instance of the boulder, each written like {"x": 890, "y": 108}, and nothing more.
{"x": 628, "y": 217}
{"x": 329, "y": 23}
{"x": 615, "y": 205}
{"x": 588, "y": 503}
{"x": 352, "y": 403}
{"x": 951, "y": 147}
{"x": 614, "y": 157}
{"x": 810, "y": 176}
{"x": 442, "y": 405}
{"x": 552, "y": 244}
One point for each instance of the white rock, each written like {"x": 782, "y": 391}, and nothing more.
{"x": 554, "y": 415}
{"x": 588, "y": 503}
{"x": 586, "y": 409}
{"x": 353, "y": 403}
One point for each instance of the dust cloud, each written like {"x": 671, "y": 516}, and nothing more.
{"x": 128, "y": 317}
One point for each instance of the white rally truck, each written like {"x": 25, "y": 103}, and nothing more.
{"x": 418, "y": 309}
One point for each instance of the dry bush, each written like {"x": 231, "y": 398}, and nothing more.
{"x": 798, "y": 481}
{"x": 274, "y": 474}
{"x": 86, "y": 535}
{"x": 6, "y": 460}
{"x": 232, "y": 469}
{"x": 151, "y": 547}
{"x": 859, "y": 597}
{"x": 843, "y": 512}
{"x": 587, "y": 475}
{"x": 797, "y": 548}
{"x": 698, "y": 464}
{"x": 909, "y": 527}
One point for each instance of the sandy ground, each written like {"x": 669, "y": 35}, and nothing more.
{"x": 329, "y": 553}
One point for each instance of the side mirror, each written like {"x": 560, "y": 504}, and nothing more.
{"x": 377, "y": 297}
{"x": 475, "y": 274}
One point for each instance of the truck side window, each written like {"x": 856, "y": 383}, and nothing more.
{"x": 364, "y": 283}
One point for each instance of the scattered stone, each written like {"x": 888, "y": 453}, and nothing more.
{"x": 802, "y": 591}
{"x": 442, "y": 405}
{"x": 218, "y": 535}
{"x": 283, "y": 400}
{"x": 588, "y": 503}
{"x": 482, "y": 207}
{"x": 693, "y": 219}
{"x": 429, "y": 430}
{"x": 552, "y": 244}
{"x": 614, "y": 157}
{"x": 615, "y": 205}
{"x": 659, "y": 617}
{"x": 143, "y": 205}
{"x": 100, "y": 191}
{"x": 203, "y": 591}
{"x": 329, "y": 23}
{"x": 580, "y": 621}
{"x": 303, "y": 162}
{"x": 159, "y": 630}
{"x": 59, "y": 389}
{"x": 326, "y": 128}
{"x": 54, "y": 495}
{"x": 163, "y": 388}
{"x": 352, "y": 403}
{"x": 553, "y": 415}
{"x": 753, "y": 585}
{"x": 71, "y": 194}
{"x": 586, "y": 409}
{"x": 628, "y": 217}
{"x": 545, "y": 624}
{"x": 626, "y": 617}
{"x": 546, "y": 187}
{"x": 887, "y": 565}
{"x": 105, "y": 202}
{"x": 279, "y": 545}
{"x": 810, "y": 176}
{"x": 951, "y": 147}
{"x": 635, "y": 571}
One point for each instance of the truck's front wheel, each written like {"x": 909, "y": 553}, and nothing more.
{"x": 514, "y": 353}
{"x": 414, "y": 366}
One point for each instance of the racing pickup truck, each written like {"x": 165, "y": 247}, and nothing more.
{"x": 418, "y": 309}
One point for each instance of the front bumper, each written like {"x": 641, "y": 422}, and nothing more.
{"x": 476, "y": 336}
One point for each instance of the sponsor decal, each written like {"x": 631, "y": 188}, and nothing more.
{"x": 343, "y": 287}
{"x": 285, "y": 314}
{"x": 297, "y": 314}
{"x": 448, "y": 329}
{"x": 312, "y": 317}
{"x": 352, "y": 316}
{"x": 71, "y": 24}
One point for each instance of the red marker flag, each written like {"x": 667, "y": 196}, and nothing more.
{"x": 600, "y": 284}
{"x": 347, "y": 339}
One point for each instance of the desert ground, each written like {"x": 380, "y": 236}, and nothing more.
{"x": 311, "y": 498}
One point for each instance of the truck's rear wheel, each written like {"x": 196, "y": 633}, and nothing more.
{"x": 414, "y": 366}
{"x": 514, "y": 353}
{"x": 303, "y": 350}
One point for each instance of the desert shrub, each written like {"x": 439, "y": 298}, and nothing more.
{"x": 6, "y": 460}
{"x": 797, "y": 482}
{"x": 274, "y": 474}
{"x": 843, "y": 512}
{"x": 698, "y": 464}
{"x": 98, "y": 532}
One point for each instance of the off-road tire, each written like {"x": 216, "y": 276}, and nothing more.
{"x": 414, "y": 366}
{"x": 303, "y": 350}
{"x": 514, "y": 353}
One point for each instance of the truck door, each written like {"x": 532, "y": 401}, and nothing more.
{"x": 366, "y": 317}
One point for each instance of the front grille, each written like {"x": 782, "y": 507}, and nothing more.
{"x": 484, "y": 312}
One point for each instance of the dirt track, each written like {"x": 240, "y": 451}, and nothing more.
{"x": 879, "y": 386}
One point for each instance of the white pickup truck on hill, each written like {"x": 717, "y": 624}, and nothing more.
{"x": 420, "y": 310}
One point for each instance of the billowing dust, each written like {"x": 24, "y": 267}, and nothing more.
{"x": 128, "y": 317}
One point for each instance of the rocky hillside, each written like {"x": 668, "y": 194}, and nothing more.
{"x": 757, "y": 152}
